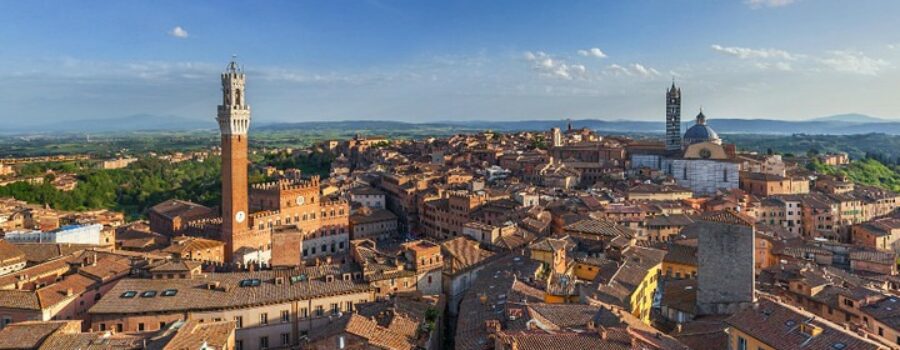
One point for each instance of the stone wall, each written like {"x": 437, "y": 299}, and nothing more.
{"x": 725, "y": 276}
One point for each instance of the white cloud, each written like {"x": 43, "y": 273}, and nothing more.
{"x": 178, "y": 32}
{"x": 782, "y": 66}
{"x": 592, "y": 52}
{"x": 634, "y": 69}
{"x": 768, "y": 3}
{"x": 748, "y": 53}
{"x": 644, "y": 71}
{"x": 550, "y": 67}
{"x": 854, "y": 62}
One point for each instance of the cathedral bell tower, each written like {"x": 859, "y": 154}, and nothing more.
{"x": 234, "y": 121}
{"x": 673, "y": 119}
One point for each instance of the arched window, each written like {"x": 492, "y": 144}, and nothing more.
{"x": 237, "y": 97}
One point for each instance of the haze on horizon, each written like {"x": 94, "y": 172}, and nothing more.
{"x": 450, "y": 60}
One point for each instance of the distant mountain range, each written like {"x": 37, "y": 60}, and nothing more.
{"x": 842, "y": 124}
{"x": 136, "y": 122}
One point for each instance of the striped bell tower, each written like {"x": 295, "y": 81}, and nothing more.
{"x": 673, "y": 119}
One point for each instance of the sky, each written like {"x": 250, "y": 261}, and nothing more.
{"x": 422, "y": 61}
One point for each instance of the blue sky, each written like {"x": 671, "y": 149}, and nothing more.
{"x": 450, "y": 60}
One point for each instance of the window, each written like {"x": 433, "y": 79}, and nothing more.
{"x": 263, "y": 318}
{"x": 285, "y": 338}
{"x": 140, "y": 327}
{"x": 102, "y": 326}
{"x": 742, "y": 343}
{"x": 263, "y": 342}
{"x": 239, "y": 321}
{"x": 119, "y": 328}
{"x": 335, "y": 308}
{"x": 304, "y": 313}
{"x": 162, "y": 325}
{"x": 285, "y": 316}
{"x": 320, "y": 311}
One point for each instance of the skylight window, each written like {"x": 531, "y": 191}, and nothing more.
{"x": 128, "y": 294}
{"x": 838, "y": 346}
{"x": 169, "y": 292}
{"x": 250, "y": 282}
{"x": 148, "y": 294}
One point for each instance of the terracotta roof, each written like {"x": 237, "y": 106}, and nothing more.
{"x": 781, "y": 327}
{"x": 498, "y": 283}
{"x": 636, "y": 264}
{"x": 178, "y": 208}
{"x": 376, "y": 335}
{"x": 598, "y": 227}
{"x": 192, "y": 334}
{"x": 461, "y": 253}
{"x": 366, "y": 191}
{"x": 886, "y": 310}
{"x": 37, "y": 253}
{"x": 370, "y": 216}
{"x": 30, "y": 334}
{"x": 681, "y": 295}
{"x": 183, "y": 244}
{"x": 93, "y": 341}
{"x": 194, "y": 294}
{"x": 10, "y": 254}
{"x": 176, "y": 266}
{"x": 670, "y": 220}
{"x": 729, "y": 217}
{"x": 537, "y": 340}
{"x": 681, "y": 254}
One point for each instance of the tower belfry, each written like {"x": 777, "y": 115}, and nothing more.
{"x": 673, "y": 119}
{"x": 234, "y": 121}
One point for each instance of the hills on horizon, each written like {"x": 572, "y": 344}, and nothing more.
{"x": 840, "y": 124}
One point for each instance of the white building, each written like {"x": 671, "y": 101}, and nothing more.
{"x": 368, "y": 196}
{"x": 74, "y": 234}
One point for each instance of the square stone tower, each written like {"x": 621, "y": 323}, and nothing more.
{"x": 725, "y": 255}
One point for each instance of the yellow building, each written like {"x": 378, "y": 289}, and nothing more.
{"x": 633, "y": 286}
{"x": 681, "y": 260}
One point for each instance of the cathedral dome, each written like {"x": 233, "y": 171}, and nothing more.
{"x": 700, "y": 132}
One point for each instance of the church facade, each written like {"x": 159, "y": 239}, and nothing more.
{"x": 697, "y": 160}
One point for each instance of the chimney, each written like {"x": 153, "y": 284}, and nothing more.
{"x": 604, "y": 334}
{"x": 69, "y": 292}
{"x": 279, "y": 280}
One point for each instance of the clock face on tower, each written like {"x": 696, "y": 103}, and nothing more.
{"x": 300, "y": 200}
{"x": 240, "y": 216}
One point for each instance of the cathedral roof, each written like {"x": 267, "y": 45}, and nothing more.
{"x": 700, "y": 132}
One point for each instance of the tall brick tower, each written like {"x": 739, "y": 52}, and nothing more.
{"x": 234, "y": 120}
{"x": 673, "y": 119}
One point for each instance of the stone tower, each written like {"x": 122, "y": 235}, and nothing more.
{"x": 557, "y": 137}
{"x": 726, "y": 260}
{"x": 673, "y": 119}
{"x": 234, "y": 121}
